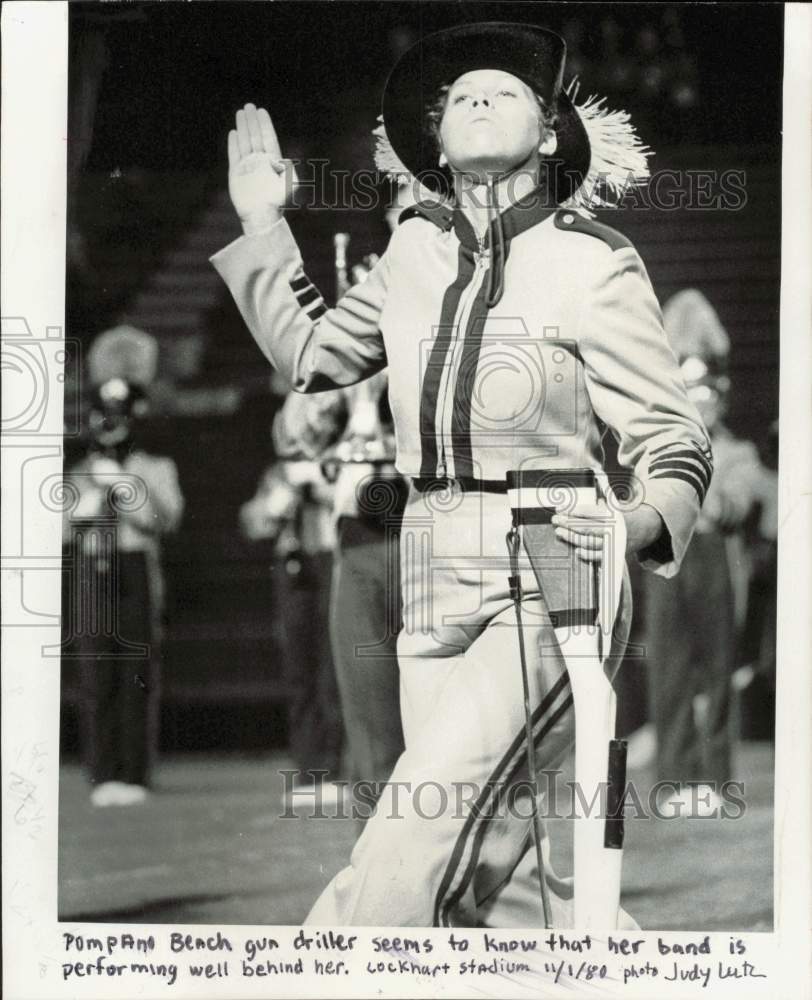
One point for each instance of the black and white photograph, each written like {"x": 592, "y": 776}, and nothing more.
{"x": 403, "y": 589}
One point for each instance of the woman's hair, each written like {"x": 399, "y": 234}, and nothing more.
{"x": 548, "y": 117}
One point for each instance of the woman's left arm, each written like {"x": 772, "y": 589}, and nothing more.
{"x": 636, "y": 388}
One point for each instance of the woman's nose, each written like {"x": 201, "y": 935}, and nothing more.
{"x": 482, "y": 99}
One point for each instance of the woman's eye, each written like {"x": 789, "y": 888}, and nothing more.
{"x": 459, "y": 98}
{"x": 505, "y": 93}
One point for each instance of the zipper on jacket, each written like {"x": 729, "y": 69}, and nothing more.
{"x": 481, "y": 264}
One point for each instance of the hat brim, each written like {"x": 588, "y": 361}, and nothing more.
{"x": 530, "y": 53}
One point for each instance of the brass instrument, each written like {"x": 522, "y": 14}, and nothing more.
{"x": 366, "y": 440}
{"x": 345, "y": 276}
{"x": 340, "y": 242}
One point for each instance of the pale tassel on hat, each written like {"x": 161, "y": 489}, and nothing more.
{"x": 389, "y": 163}
{"x": 619, "y": 159}
{"x": 386, "y": 159}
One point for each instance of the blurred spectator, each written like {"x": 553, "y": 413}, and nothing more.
{"x": 401, "y": 38}
{"x": 653, "y": 68}
{"x": 672, "y": 28}
{"x": 617, "y": 71}
{"x": 574, "y": 35}
{"x": 125, "y": 500}
{"x": 685, "y": 82}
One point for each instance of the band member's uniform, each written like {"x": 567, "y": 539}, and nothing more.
{"x": 692, "y": 667}
{"x": 293, "y": 507}
{"x": 123, "y": 501}
{"x": 343, "y": 429}
{"x": 506, "y": 352}
{"x": 757, "y": 659}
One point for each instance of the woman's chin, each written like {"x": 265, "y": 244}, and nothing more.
{"x": 482, "y": 171}
{"x": 485, "y": 164}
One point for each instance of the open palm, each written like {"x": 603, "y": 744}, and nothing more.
{"x": 260, "y": 181}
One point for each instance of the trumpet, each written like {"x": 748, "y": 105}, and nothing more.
{"x": 340, "y": 243}
{"x": 368, "y": 439}
{"x": 346, "y": 277}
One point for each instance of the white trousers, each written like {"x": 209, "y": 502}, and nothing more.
{"x": 450, "y": 843}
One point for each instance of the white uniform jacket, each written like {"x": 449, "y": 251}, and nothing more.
{"x": 576, "y": 343}
{"x": 155, "y": 508}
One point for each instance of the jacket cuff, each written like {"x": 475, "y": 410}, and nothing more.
{"x": 678, "y": 506}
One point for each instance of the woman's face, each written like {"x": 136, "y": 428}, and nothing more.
{"x": 491, "y": 123}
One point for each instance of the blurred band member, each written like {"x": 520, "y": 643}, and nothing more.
{"x": 692, "y": 620}
{"x": 756, "y": 677}
{"x": 293, "y": 507}
{"x": 125, "y": 501}
{"x": 355, "y": 426}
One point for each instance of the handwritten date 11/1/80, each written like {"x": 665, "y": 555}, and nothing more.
{"x": 585, "y": 971}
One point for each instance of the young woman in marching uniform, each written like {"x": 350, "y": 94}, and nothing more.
{"x": 514, "y": 329}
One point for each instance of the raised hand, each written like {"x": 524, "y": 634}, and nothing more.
{"x": 260, "y": 181}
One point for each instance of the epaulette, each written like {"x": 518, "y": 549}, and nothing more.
{"x": 441, "y": 215}
{"x": 573, "y": 221}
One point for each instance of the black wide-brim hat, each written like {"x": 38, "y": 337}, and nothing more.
{"x": 533, "y": 54}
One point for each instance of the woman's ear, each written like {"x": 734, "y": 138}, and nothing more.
{"x": 549, "y": 143}
{"x": 443, "y": 161}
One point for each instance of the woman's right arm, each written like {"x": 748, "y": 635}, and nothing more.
{"x": 315, "y": 348}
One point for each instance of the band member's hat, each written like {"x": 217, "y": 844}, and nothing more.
{"x": 697, "y": 338}
{"x": 123, "y": 352}
{"x": 693, "y": 326}
{"x": 597, "y": 151}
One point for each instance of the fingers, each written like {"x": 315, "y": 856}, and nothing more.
{"x": 268, "y": 133}
{"x": 573, "y": 535}
{"x": 568, "y": 528}
{"x": 254, "y": 134}
{"x": 254, "y": 131}
{"x": 586, "y": 539}
{"x": 585, "y": 549}
{"x": 589, "y": 555}
{"x": 243, "y": 134}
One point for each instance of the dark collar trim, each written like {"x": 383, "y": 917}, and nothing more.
{"x": 522, "y": 215}
{"x": 517, "y": 218}
{"x": 441, "y": 215}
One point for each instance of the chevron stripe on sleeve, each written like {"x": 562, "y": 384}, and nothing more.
{"x": 308, "y": 296}
{"x": 692, "y": 463}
